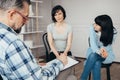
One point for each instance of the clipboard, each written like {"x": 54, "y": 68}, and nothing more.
{"x": 71, "y": 62}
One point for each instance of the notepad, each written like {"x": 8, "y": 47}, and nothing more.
{"x": 70, "y": 63}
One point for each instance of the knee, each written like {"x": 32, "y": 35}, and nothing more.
{"x": 93, "y": 55}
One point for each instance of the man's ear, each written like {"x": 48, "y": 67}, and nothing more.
{"x": 11, "y": 15}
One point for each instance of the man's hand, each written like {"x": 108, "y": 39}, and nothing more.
{"x": 63, "y": 59}
{"x": 104, "y": 53}
{"x": 42, "y": 64}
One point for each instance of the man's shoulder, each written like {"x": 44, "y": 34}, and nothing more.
{"x": 8, "y": 36}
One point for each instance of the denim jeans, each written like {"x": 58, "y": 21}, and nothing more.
{"x": 93, "y": 64}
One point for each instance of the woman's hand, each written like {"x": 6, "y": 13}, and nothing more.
{"x": 65, "y": 53}
{"x": 104, "y": 53}
{"x": 63, "y": 59}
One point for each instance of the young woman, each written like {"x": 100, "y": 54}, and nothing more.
{"x": 59, "y": 34}
{"x": 100, "y": 51}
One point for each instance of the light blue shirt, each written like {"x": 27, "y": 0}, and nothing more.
{"x": 60, "y": 39}
{"x": 96, "y": 45}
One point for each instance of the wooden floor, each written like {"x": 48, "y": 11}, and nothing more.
{"x": 114, "y": 71}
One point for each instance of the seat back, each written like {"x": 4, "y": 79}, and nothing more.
{"x": 1, "y": 77}
{"x": 46, "y": 44}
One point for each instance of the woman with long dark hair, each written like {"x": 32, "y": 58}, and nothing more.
{"x": 100, "y": 51}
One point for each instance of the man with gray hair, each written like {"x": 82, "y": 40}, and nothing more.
{"x": 16, "y": 60}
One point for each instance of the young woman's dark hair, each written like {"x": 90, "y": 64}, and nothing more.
{"x": 55, "y": 10}
{"x": 107, "y": 29}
